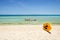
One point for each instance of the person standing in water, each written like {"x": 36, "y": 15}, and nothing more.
{"x": 47, "y": 27}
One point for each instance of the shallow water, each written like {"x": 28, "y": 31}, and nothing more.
{"x": 21, "y": 19}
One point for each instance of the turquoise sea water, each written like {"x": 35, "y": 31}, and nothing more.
{"x": 23, "y": 19}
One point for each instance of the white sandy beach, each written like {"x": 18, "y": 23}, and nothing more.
{"x": 28, "y": 32}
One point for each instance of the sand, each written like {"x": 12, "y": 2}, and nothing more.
{"x": 28, "y": 32}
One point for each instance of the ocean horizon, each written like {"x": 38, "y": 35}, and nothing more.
{"x": 30, "y": 15}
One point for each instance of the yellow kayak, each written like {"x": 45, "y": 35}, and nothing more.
{"x": 47, "y": 27}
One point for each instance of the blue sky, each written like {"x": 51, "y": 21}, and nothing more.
{"x": 29, "y": 7}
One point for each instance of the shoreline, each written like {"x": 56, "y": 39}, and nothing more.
{"x": 30, "y": 24}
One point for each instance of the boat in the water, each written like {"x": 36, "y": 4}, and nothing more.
{"x": 30, "y": 19}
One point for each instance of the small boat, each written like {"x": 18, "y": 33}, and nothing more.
{"x": 30, "y": 19}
